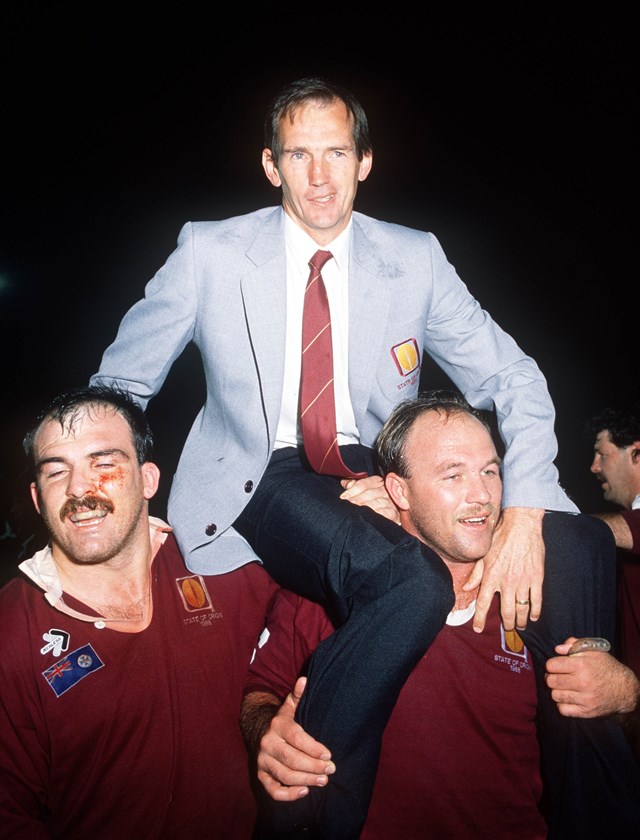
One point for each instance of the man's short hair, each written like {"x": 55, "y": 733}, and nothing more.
{"x": 69, "y": 406}
{"x": 390, "y": 443}
{"x": 299, "y": 93}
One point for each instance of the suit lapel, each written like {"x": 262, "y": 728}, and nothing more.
{"x": 264, "y": 293}
{"x": 369, "y": 300}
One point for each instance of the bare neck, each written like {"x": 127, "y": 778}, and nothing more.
{"x": 460, "y": 574}
{"x": 118, "y": 590}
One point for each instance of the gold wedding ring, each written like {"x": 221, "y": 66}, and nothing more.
{"x": 522, "y": 603}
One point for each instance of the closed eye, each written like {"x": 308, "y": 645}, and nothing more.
{"x": 54, "y": 473}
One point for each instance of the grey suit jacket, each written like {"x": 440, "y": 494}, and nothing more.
{"x": 224, "y": 288}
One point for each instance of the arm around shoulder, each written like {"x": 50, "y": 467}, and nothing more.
{"x": 621, "y": 530}
{"x": 288, "y": 761}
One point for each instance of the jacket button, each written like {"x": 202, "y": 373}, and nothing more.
{"x": 248, "y": 487}
{"x": 210, "y": 529}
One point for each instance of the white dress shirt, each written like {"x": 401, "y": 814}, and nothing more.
{"x": 300, "y": 248}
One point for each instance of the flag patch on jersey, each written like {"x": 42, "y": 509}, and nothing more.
{"x": 72, "y": 668}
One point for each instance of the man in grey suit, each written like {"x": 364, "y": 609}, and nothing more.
{"x": 244, "y": 489}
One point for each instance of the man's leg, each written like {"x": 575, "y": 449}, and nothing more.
{"x": 391, "y": 595}
{"x": 591, "y": 778}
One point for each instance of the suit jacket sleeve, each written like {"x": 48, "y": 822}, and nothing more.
{"x": 493, "y": 372}
{"x": 155, "y": 331}
{"x": 402, "y": 287}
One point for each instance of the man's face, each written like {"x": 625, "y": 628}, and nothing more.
{"x": 90, "y": 489}
{"x": 613, "y": 467}
{"x": 454, "y": 494}
{"x": 318, "y": 170}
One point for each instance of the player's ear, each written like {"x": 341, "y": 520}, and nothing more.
{"x": 35, "y": 498}
{"x": 396, "y": 487}
{"x": 150, "y": 479}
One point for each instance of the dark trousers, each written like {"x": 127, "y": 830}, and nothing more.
{"x": 388, "y": 592}
{"x": 591, "y": 778}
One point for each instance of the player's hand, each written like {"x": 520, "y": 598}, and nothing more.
{"x": 370, "y": 491}
{"x": 591, "y": 683}
{"x": 289, "y": 761}
{"x": 513, "y": 567}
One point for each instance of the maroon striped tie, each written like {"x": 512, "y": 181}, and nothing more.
{"x": 317, "y": 401}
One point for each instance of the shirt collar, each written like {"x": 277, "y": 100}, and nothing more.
{"x": 42, "y": 570}
{"x": 303, "y": 246}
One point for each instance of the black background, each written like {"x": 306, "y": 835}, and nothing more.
{"x": 510, "y": 134}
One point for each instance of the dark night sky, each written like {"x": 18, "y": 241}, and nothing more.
{"x": 511, "y": 136}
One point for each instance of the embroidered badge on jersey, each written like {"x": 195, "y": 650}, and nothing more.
{"x": 57, "y": 641}
{"x": 72, "y": 668}
{"x": 512, "y": 642}
{"x": 406, "y": 356}
{"x": 193, "y": 591}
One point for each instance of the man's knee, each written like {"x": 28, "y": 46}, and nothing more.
{"x": 577, "y": 544}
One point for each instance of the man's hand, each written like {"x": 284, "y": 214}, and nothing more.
{"x": 514, "y": 567}
{"x": 289, "y": 760}
{"x": 591, "y": 684}
{"x": 370, "y": 491}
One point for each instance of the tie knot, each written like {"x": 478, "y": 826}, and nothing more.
{"x": 318, "y": 260}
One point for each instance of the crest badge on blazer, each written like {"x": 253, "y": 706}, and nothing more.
{"x": 406, "y": 355}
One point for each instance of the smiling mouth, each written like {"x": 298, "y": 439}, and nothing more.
{"x": 83, "y": 517}
{"x": 476, "y": 519}
{"x": 88, "y": 509}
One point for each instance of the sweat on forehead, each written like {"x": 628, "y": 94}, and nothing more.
{"x": 95, "y": 402}
{"x": 95, "y": 429}
{"x": 71, "y": 419}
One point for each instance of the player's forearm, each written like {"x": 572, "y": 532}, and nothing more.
{"x": 257, "y": 711}
{"x": 619, "y": 528}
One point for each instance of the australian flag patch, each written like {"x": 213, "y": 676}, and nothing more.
{"x": 73, "y": 667}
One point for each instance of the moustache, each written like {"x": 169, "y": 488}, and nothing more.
{"x": 85, "y": 503}
{"x": 486, "y": 510}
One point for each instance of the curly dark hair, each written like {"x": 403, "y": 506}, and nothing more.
{"x": 622, "y": 422}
